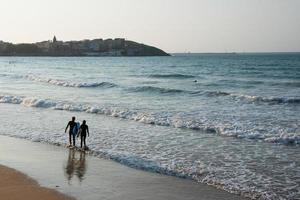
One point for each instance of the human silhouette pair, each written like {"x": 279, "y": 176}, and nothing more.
{"x": 75, "y": 129}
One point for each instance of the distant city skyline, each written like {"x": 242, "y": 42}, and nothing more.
{"x": 172, "y": 25}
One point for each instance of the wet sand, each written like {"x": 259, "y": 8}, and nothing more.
{"x": 17, "y": 186}
{"x": 86, "y": 177}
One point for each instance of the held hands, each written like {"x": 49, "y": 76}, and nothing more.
{"x": 79, "y": 132}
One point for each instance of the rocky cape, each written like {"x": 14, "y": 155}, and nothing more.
{"x": 96, "y": 47}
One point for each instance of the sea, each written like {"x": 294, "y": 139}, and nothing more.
{"x": 231, "y": 121}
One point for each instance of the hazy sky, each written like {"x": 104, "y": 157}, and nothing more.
{"x": 173, "y": 25}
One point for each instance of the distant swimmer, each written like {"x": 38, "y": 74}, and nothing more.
{"x": 73, "y": 129}
{"x": 195, "y": 81}
{"x": 83, "y": 131}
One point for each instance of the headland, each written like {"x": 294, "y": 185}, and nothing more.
{"x": 95, "y": 47}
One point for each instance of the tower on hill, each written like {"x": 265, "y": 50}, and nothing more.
{"x": 54, "y": 39}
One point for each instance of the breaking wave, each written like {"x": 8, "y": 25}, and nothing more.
{"x": 250, "y": 98}
{"x": 270, "y": 100}
{"x": 168, "y": 91}
{"x": 160, "y": 119}
{"x": 69, "y": 84}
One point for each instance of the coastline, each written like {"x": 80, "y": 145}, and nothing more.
{"x": 14, "y": 185}
{"x": 86, "y": 177}
{"x": 94, "y": 47}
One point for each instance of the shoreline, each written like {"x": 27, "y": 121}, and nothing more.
{"x": 15, "y": 185}
{"x": 86, "y": 177}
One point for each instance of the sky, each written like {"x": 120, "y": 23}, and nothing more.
{"x": 172, "y": 25}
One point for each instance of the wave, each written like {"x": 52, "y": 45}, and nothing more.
{"x": 69, "y": 84}
{"x": 160, "y": 119}
{"x": 239, "y": 82}
{"x": 239, "y": 97}
{"x": 151, "y": 89}
{"x": 175, "y": 76}
{"x": 288, "y": 84}
{"x": 250, "y": 98}
{"x": 270, "y": 100}
{"x": 216, "y": 93}
{"x": 170, "y": 91}
{"x": 288, "y": 139}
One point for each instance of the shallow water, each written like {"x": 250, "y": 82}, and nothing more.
{"x": 86, "y": 177}
{"x": 253, "y": 99}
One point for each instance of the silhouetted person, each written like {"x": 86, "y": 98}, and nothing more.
{"x": 83, "y": 130}
{"x": 71, "y": 126}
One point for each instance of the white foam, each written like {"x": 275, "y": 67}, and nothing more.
{"x": 33, "y": 102}
{"x": 271, "y": 100}
{"x": 64, "y": 83}
{"x": 233, "y": 129}
{"x": 285, "y": 138}
{"x": 11, "y": 99}
{"x": 230, "y": 165}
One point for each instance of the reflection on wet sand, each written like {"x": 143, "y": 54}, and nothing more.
{"x": 75, "y": 165}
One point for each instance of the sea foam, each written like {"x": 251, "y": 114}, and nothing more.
{"x": 164, "y": 150}
{"x": 162, "y": 119}
{"x": 69, "y": 84}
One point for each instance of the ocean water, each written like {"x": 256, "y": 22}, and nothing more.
{"x": 228, "y": 120}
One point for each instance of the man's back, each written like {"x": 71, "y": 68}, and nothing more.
{"x": 72, "y": 124}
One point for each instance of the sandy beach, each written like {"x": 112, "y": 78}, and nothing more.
{"x": 15, "y": 185}
{"x": 150, "y": 100}
{"x": 84, "y": 176}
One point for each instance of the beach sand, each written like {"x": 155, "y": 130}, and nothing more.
{"x": 15, "y": 185}
{"x": 87, "y": 177}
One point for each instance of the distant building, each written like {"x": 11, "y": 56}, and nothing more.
{"x": 94, "y": 45}
{"x": 108, "y": 43}
{"x": 44, "y": 46}
{"x": 2, "y": 45}
{"x": 119, "y": 43}
{"x": 84, "y": 45}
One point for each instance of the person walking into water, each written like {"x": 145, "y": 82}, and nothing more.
{"x": 71, "y": 125}
{"x": 83, "y": 130}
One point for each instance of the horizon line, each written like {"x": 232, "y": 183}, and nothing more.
{"x": 238, "y": 52}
